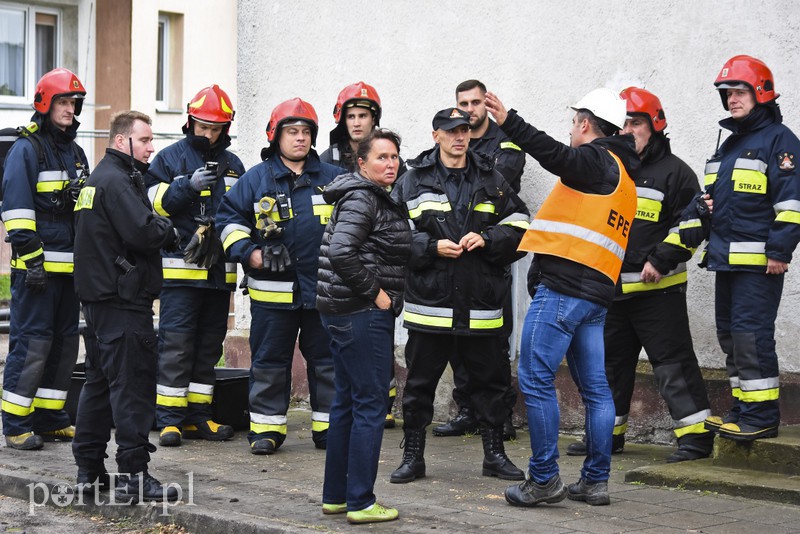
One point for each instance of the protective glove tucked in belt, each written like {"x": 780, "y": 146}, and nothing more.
{"x": 36, "y": 277}
{"x": 202, "y": 179}
{"x": 276, "y": 258}
{"x": 695, "y": 223}
{"x": 205, "y": 246}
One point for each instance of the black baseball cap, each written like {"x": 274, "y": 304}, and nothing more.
{"x": 450, "y": 118}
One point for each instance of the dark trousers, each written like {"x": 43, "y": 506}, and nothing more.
{"x": 746, "y": 308}
{"x": 120, "y": 387}
{"x": 660, "y": 324}
{"x": 42, "y": 350}
{"x": 488, "y": 369}
{"x": 192, "y": 326}
{"x": 273, "y": 334}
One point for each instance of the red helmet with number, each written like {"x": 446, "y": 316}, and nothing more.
{"x": 360, "y": 95}
{"x": 642, "y": 101}
{"x": 58, "y": 82}
{"x": 741, "y": 72}
{"x": 211, "y": 104}
{"x": 292, "y": 110}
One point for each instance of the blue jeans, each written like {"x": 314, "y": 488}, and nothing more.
{"x": 362, "y": 347}
{"x": 557, "y": 324}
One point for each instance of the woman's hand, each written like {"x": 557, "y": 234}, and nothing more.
{"x": 383, "y": 301}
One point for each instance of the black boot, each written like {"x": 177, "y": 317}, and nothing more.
{"x": 143, "y": 486}
{"x": 413, "y": 464}
{"x": 463, "y": 423}
{"x": 495, "y": 461}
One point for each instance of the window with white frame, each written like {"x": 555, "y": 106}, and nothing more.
{"x": 163, "y": 63}
{"x": 29, "y": 47}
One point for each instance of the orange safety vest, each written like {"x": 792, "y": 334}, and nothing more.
{"x": 586, "y": 228}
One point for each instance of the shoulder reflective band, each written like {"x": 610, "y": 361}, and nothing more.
{"x": 517, "y": 220}
{"x": 269, "y": 291}
{"x": 428, "y": 315}
{"x": 20, "y": 219}
{"x": 427, "y": 202}
{"x": 710, "y": 175}
{"x": 747, "y": 253}
{"x": 51, "y": 181}
{"x": 156, "y": 196}
{"x": 229, "y": 181}
{"x": 177, "y": 269}
{"x": 85, "y": 199}
{"x": 749, "y": 176}
{"x": 508, "y": 145}
{"x": 485, "y": 207}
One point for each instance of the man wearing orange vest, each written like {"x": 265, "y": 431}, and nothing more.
{"x": 579, "y": 236}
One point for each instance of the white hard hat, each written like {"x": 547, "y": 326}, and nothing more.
{"x": 604, "y": 104}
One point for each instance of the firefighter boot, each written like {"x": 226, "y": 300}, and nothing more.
{"x": 495, "y": 461}
{"x": 463, "y": 423}
{"x": 62, "y": 434}
{"x": 208, "y": 430}
{"x": 170, "y": 437}
{"x": 92, "y": 481}
{"x": 693, "y": 447}
{"x": 25, "y": 442}
{"x": 145, "y": 487}
{"x": 413, "y": 465}
{"x": 579, "y": 448}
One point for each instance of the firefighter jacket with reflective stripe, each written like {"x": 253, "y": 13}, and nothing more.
{"x": 37, "y": 209}
{"x": 300, "y": 214}
{"x": 114, "y": 219}
{"x": 172, "y": 196}
{"x": 509, "y": 159}
{"x": 589, "y": 168}
{"x": 755, "y": 184}
{"x": 664, "y": 186}
{"x": 464, "y": 295}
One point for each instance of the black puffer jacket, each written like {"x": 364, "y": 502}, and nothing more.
{"x": 365, "y": 248}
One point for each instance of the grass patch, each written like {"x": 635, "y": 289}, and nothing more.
{"x": 5, "y": 287}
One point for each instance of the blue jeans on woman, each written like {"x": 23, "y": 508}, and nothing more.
{"x": 362, "y": 347}
{"x": 558, "y": 324}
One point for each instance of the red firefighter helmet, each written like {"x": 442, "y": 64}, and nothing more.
{"x": 292, "y": 110}
{"x": 361, "y": 95}
{"x": 211, "y": 104}
{"x": 638, "y": 100}
{"x": 58, "y": 82}
{"x": 749, "y": 71}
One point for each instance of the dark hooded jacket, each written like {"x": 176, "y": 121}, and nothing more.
{"x": 365, "y": 247}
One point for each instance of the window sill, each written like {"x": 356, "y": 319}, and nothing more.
{"x": 16, "y": 107}
{"x": 169, "y": 111}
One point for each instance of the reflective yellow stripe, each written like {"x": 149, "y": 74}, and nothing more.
{"x": 267, "y": 423}
{"x": 19, "y": 219}
{"x": 697, "y": 428}
{"x": 439, "y": 322}
{"x": 199, "y": 398}
{"x": 156, "y": 194}
{"x": 648, "y": 209}
{"x": 230, "y": 273}
{"x": 269, "y": 291}
{"x": 185, "y": 274}
{"x": 54, "y": 262}
{"x": 323, "y": 211}
{"x": 747, "y": 253}
{"x": 85, "y": 199}
{"x": 710, "y": 173}
{"x": 427, "y": 202}
{"x": 486, "y": 207}
{"x": 233, "y": 237}
{"x": 33, "y": 254}
{"x": 788, "y": 217}
{"x": 509, "y": 145}
{"x": 319, "y": 426}
{"x": 668, "y": 280}
{"x": 51, "y": 181}
{"x": 58, "y": 267}
{"x": 485, "y": 319}
{"x": 709, "y": 179}
{"x": 429, "y": 206}
{"x": 48, "y": 404}
{"x": 620, "y": 429}
{"x": 16, "y": 409}
{"x": 167, "y": 400}
{"x": 747, "y": 259}
{"x": 674, "y": 238}
{"x": 205, "y": 193}
{"x": 736, "y": 392}
{"x": 258, "y": 428}
{"x": 759, "y": 395}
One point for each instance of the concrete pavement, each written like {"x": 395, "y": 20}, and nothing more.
{"x": 227, "y": 489}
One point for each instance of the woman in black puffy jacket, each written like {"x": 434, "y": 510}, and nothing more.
{"x": 362, "y": 261}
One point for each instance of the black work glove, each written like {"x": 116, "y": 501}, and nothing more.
{"x": 276, "y": 258}
{"x": 36, "y": 277}
{"x": 202, "y": 179}
{"x": 175, "y": 243}
{"x": 205, "y": 246}
{"x": 695, "y": 225}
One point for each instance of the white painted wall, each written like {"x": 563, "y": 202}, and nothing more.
{"x": 539, "y": 57}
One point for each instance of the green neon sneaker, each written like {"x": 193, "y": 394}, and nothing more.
{"x": 331, "y": 509}
{"x": 373, "y": 514}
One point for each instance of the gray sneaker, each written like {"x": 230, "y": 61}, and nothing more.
{"x": 529, "y": 493}
{"x": 594, "y": 493}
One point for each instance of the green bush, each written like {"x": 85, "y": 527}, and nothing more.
{"x": 5, "y": 287}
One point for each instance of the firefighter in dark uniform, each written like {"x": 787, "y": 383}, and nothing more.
{"x": 272, "y": 221}
{"x": 117, "y": 277}
{"x": 649, "y": 309}
{"x": 194, "y": 304}
{"x": 43, "y": 174}
{"x": 754, "y": 184}
{"x": 360, "y": 106}
{"x": 467, "y": 223}
{"x": 487, "y": 138}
